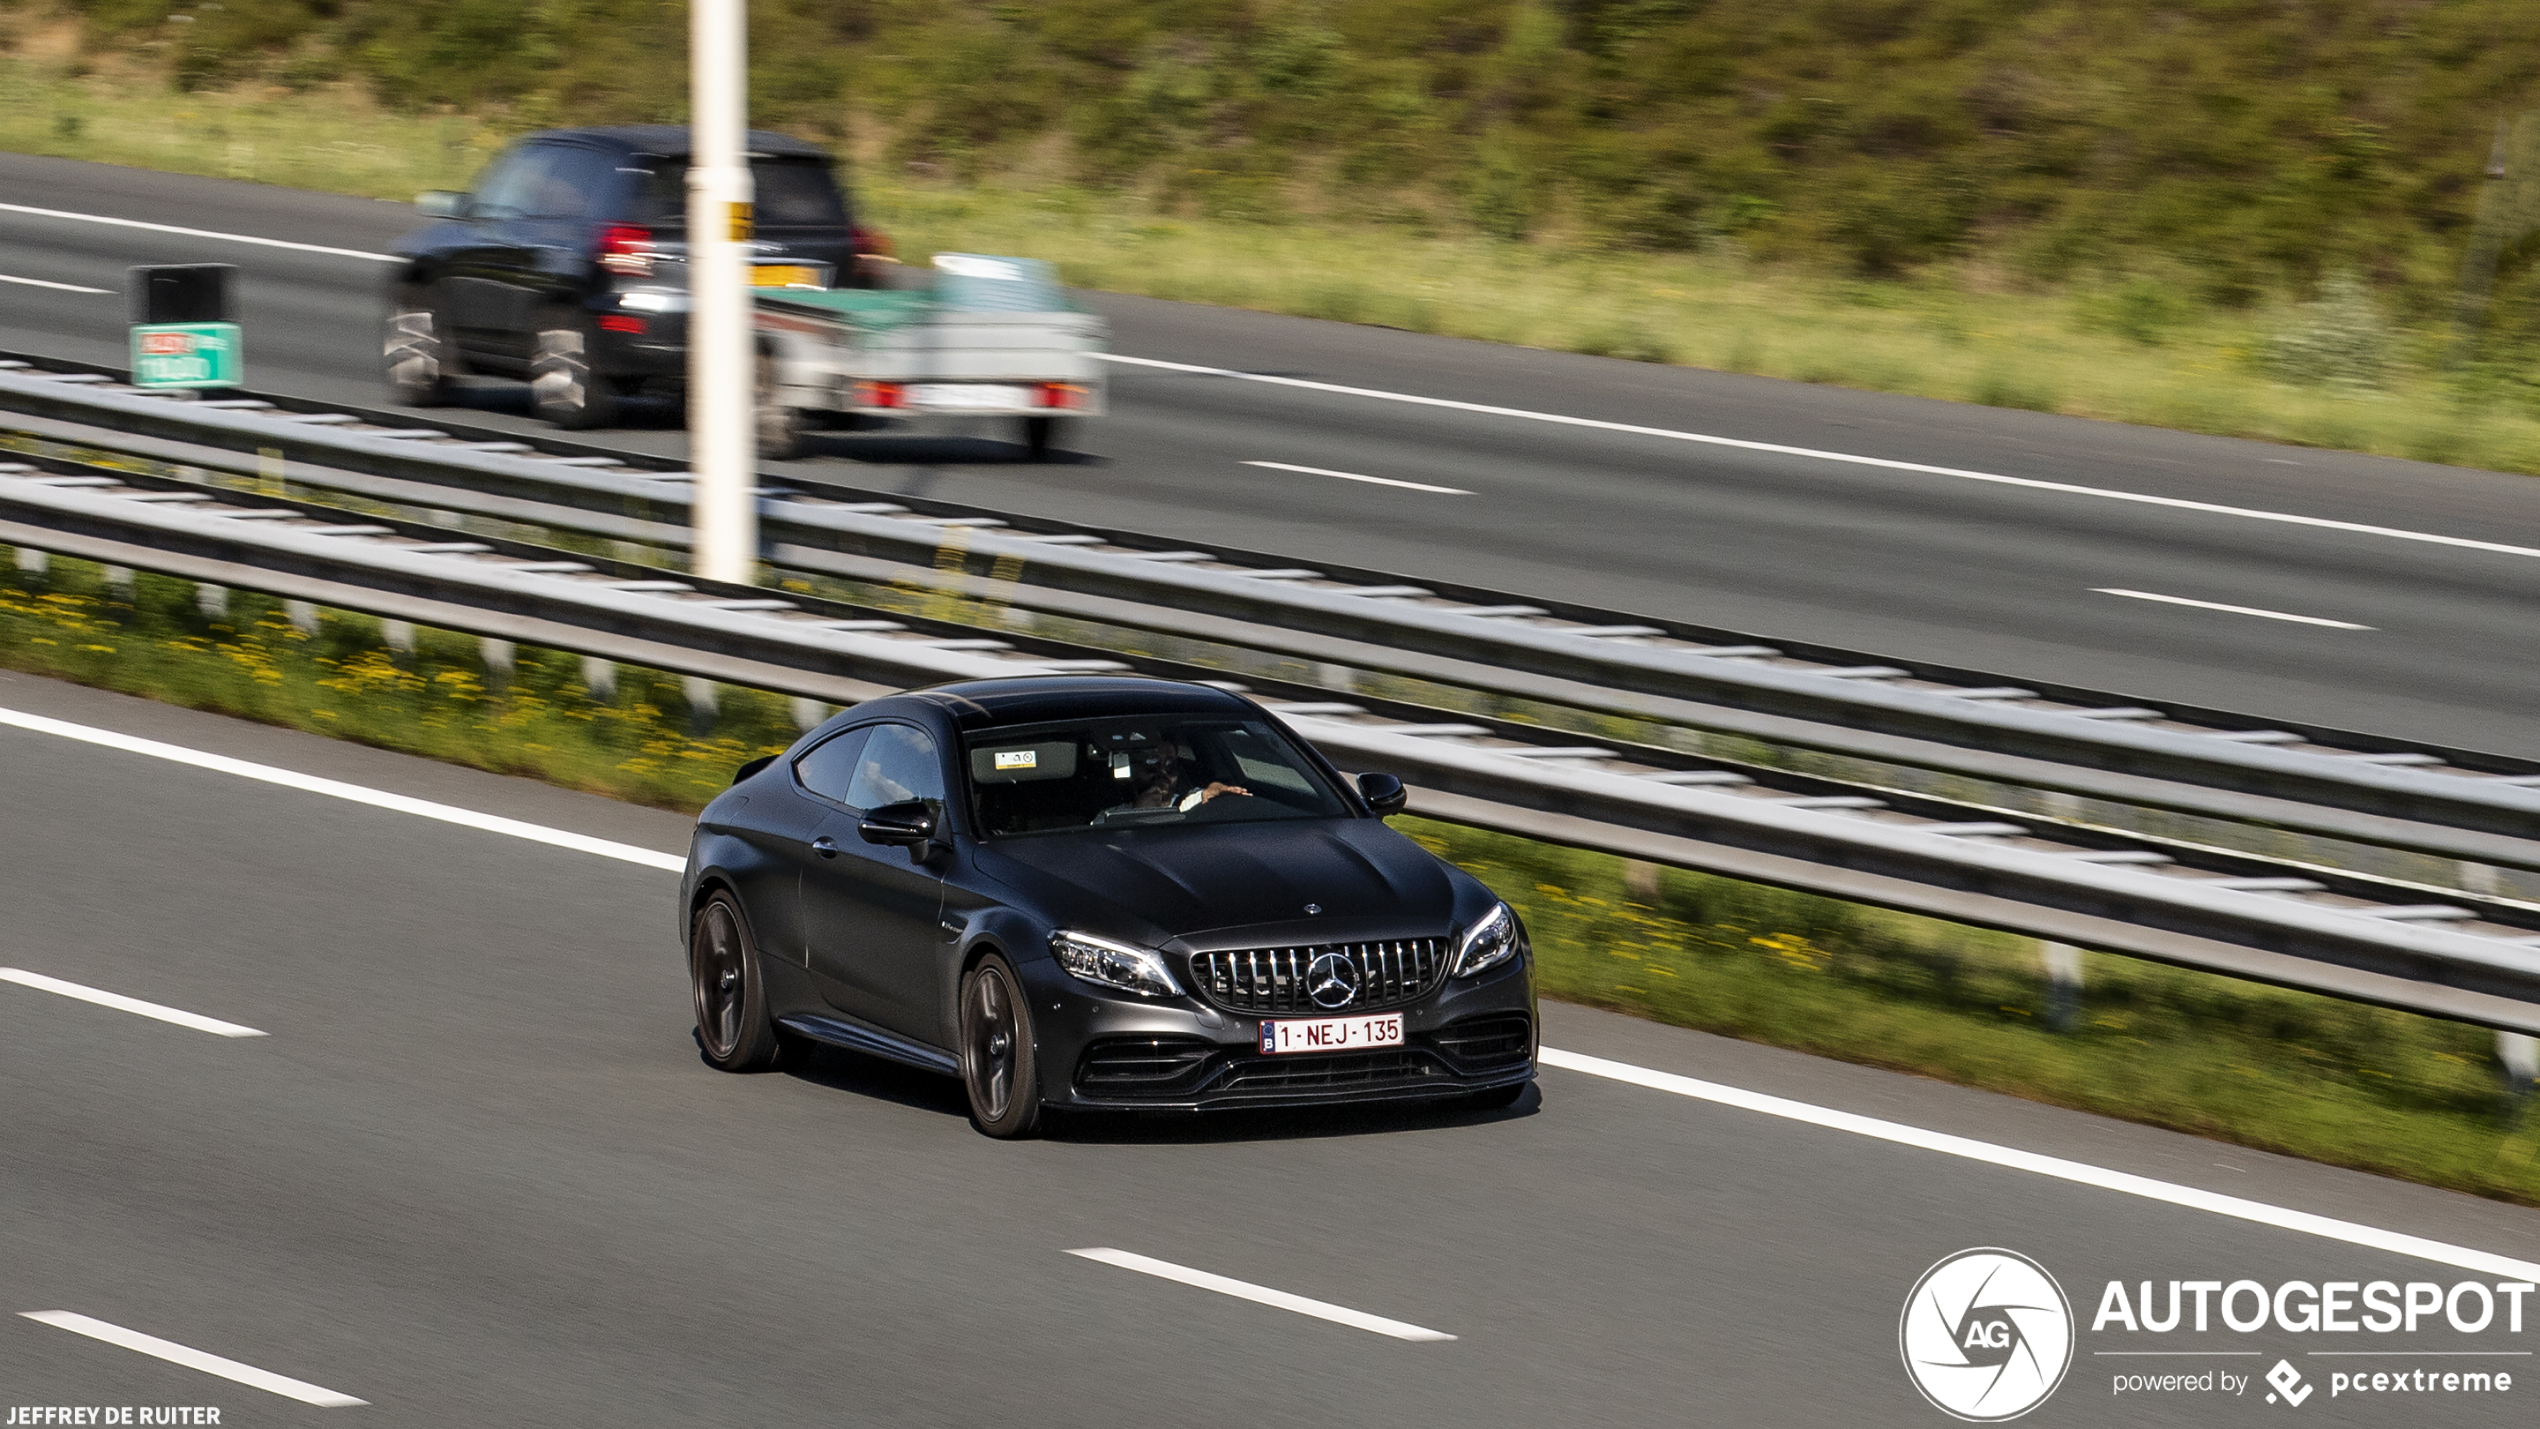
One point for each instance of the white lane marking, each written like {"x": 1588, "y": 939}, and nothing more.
{"x": 2370, "y": 1237}
{"x": 2121, "y": 1181}
{"x": 200, "y": 233}
{"x": 1884, "y": 463}
{"x": 2228, "y": 609}
{"x": 352, "y": 793}
{"x": 1262, "y": 1295}
{"x": 1371, "y": 480}
{"x": 175, "y": 1353}
{"x": 42, "y": 283}
{"x": 121, "y": 1003}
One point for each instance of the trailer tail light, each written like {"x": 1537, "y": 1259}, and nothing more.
{"x": 615, "y": 322}
{"x": 880, "y": 394}
{"x": 869, "y": 243}
{"x": 1066, "y": 396}
{"x": 626, "y": 249}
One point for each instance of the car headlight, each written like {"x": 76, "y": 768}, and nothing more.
{"x": 1110, "y": 964}
{"x": 1487, "y": 943}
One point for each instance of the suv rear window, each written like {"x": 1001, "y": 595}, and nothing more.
{"x": 792, "y": 193}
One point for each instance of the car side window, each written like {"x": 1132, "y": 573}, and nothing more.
{"x": 900, "y": 763}
{"x": 829, "y": 767}
{"x": 511, "y": 189}
{"x": 572, "y": 184}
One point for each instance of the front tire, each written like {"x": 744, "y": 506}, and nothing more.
{"x": 563, "y": 388}
{"x": 730, "y": 990}
{"x": 1000, "y": 1065}
{"x": 416, "y": 355}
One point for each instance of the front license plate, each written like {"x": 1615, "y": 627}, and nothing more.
{"x": 969, "y": 397}
{"x": 1332, "y": 1034}
{"x": 785, "y": 275}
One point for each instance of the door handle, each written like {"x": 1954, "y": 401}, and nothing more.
{"x": 825, "y": 846}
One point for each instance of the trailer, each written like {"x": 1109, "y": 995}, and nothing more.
{"x": 970, "y": 336}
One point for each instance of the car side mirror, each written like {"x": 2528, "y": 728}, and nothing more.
{"x": 441, "y": 203}
{"x": 1384, "y": 794}
{"x": 754, "y": 766}
{"x": 909, "y": 823}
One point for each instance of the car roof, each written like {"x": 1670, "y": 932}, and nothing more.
{"x": 671, "y": 140}
{"x": 1032, "y": 699}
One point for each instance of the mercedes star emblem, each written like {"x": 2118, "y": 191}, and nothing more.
{"x": 1331, "y": 980}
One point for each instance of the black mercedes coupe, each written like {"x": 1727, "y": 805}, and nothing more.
{"x": 1097, "y": 893}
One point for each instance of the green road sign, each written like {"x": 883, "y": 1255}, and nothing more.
{"x": 185, "y": 355}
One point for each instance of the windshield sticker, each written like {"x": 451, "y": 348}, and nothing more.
{"x": 1018, "y": 758}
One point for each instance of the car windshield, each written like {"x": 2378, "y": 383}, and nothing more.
{"x": 1118, "y": 773}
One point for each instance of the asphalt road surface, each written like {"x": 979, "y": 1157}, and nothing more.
{"x": 1899, "y": 562}
{"x": 476, "y": 1173}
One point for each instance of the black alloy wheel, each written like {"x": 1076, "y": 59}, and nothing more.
{"x": 563, "y": 388}
{"x": 416, "y": 355}
{"x": 999, "y": 1064}
{"x": 723, "y": 971}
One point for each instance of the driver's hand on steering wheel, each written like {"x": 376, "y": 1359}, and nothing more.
{"x": 1197, "y": 797}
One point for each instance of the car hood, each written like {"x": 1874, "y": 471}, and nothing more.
{"x": 1158, "y": 885}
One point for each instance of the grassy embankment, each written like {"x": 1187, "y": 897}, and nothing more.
{"x": 2381, "y": 1091}
{"x": 2122, "y": 216}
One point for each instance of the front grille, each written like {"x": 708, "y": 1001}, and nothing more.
{"x": 1331, "y": 1071}
{"x": 1141, "y": 1066}
{"x": 1492, "y": 1039}
{"x": 1273, "y": 979}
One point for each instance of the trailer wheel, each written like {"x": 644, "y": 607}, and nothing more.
{"x": 782, "y": 430}
{"x": 1037, "y": 432}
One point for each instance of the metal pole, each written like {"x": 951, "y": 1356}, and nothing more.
{"x": 722, "y": 357}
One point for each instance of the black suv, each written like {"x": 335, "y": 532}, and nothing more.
{"x": 567, "y": 265}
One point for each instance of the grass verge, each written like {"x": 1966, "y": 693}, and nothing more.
{"x": 2380, "y": 1091}
{"x": 2133, "y": 352}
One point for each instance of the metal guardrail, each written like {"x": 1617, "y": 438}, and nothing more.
{"x": 2462, "y": 957}
{"x": 2360, "y": 787}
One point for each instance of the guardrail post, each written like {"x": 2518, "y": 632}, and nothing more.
{"x": 599, "y": 677}
{"x": 33, "y": 561}
{"x": 703, "y": 703}
{"x": 2063, "y": 983}
{"x": 808, "y": 713}
{"x": 212, "y": 600}
{"x": 398, "y": 636}
{"x": 2520, "y": 1052}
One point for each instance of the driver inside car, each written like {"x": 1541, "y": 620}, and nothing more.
{"x": 1160, "y": 777}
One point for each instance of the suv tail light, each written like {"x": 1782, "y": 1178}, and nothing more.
{"x": 869, "y": 243}
{"x": 881, "y": 394}
{"x": 626, "y": 249}
{"x": 1065, "y": 395}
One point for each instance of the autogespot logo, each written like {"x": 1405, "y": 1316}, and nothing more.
{"x": 1987, "y": 1335}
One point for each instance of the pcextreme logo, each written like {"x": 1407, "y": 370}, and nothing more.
{"x": 1987, "y": 1335}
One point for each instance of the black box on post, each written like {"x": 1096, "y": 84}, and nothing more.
{"x": 183, "y": 293}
